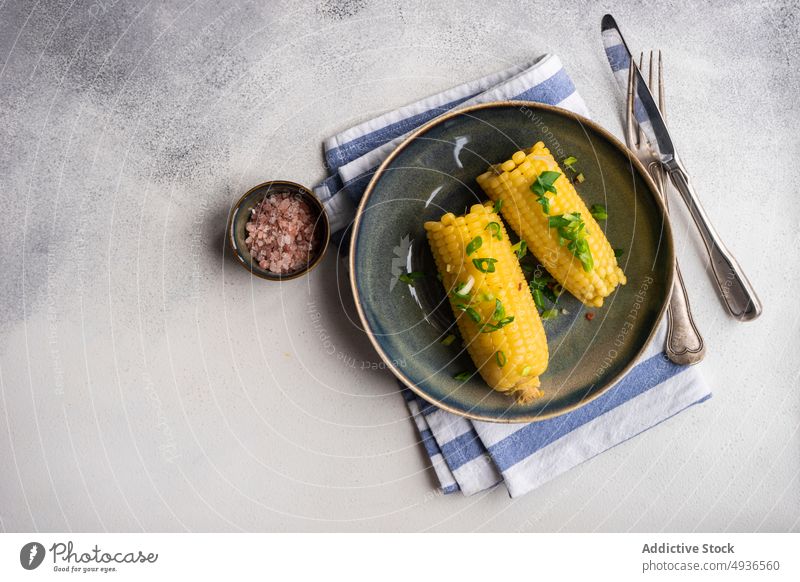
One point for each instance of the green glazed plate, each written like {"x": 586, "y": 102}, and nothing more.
{"x": 434, "y": 172}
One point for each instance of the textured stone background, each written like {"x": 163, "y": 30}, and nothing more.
{"x": 147, "y": 383}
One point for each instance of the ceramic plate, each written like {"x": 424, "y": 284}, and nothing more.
{"x": 434, "y": 172}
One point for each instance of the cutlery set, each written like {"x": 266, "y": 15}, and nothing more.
{"x": 648, "y": 138}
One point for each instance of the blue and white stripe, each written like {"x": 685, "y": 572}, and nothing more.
{"x": 472, "y": 456}
{"x": 446, "y": 480}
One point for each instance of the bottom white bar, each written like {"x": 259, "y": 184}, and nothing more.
{"x": 495, "y": 557}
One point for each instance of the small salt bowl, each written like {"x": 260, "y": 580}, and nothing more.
{"x": 243, "y": 211}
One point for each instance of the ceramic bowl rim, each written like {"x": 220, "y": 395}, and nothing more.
{"x": 667, "y": 245}
{"x": 309, "y": 197}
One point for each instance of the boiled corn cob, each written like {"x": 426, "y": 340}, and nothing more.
{"x": 494, "y": 309}
{"x": 577, "y": 255}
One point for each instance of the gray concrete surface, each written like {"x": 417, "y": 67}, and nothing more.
{"x": 147, "y": 383}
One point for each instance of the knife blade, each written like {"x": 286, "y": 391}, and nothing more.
{"x": 647, "y": 112}
{"x": 735, "y": 289}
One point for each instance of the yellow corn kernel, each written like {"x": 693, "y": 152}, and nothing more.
{"x": 501, "y": 351}
{"x": 511, "y": 182}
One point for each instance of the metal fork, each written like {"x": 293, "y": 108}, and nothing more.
{"x": 684, "y": 343}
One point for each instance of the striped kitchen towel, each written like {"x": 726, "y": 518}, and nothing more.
{"x": 471, "y": 456}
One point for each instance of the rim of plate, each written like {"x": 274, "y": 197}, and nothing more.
{"x": 666, "y": 236}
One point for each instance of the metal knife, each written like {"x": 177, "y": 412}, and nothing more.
{"x": 735, "y": 289}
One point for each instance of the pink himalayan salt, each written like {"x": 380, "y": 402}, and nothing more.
{"x": 281, "y": 236}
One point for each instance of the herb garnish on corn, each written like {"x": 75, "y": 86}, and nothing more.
{"x": 572, "y": 234}
{"x": 494, "y": 228}
{"x": 520, "y": 249}
{"x": 499, "y": 321}
{"x": 583, "y": 261}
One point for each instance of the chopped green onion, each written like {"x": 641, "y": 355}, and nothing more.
{"x": 583, "y": 253}
{"x": 490, "y": 327}
{"x": 520, "y": 249}
{"x": 570, "y": 161}
{"x": 463, "y": 376}
{"x": 494, "y": 228}
{"x": 463, "y": 288}
{"x": 541, "y": 287}
{"x": 499, "y": 310}
{"x": 538, "y": 298}
{"x": 543, "y": 184}
{"x": 550, "y": 294}
{"x": 487, "y": 297}
{"x": 550, "y": 314}
{"x": 410, "y": 278}
{"x": 498, "y": 204}
{"x": 484, "y": 265}
{"x": 618, "y": 252}
{"x": 572, "y": 233}
{"x": 580, "y": 178}
{"x": 525, "y": 371}
{"x": 474, "y": 245}
{"x": 500, "y": 358}
{"x": 598, "y": 211}
{"x": 473, "y": 315}
{"x": 448, "y": 340}
{"x": 562, "y": 221}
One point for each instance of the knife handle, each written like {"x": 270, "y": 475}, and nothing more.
{"x": 735, "y": 290}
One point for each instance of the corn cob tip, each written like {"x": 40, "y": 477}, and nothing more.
{"x": 433, "y": 226}
{"x": 478, "y": 208}
{"x": 528, "y": 394}
{"x": 524, "y": 391}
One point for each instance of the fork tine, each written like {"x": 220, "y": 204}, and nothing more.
{"x": 640, "y": 140}
{"x": 662, "y": 106}
{"x": 659, "y": 175}
{"x": 630, "y": 137}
